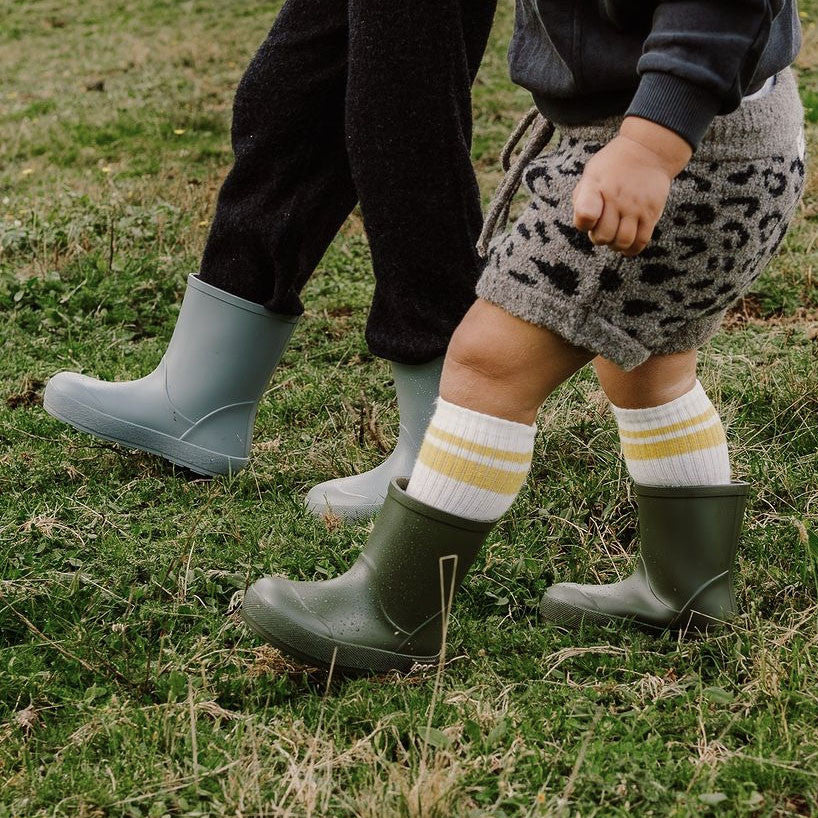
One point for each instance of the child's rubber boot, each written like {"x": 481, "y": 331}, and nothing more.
{"x": 362, "y": 495}
{"x": 385, "y": 613}
{"x": 198, "y": 407}
{"x": 684, "y": 577}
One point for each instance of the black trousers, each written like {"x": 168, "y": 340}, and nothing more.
{"x": 359, "y": 101}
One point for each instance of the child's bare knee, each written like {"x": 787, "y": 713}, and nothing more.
{"x": 469, "y": 353}
{"x": 660, "y": 379}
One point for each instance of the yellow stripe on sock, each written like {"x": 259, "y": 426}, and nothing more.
{"x": 478, "y": 475}
{"x": 708, "y": 438}
{"x": 523, "y": 458}
{"x": 640, "y": 434}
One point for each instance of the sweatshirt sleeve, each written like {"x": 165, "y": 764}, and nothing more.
{"x": 698, "y": 61}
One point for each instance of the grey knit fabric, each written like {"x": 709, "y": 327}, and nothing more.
{"x": 726, "y": 215}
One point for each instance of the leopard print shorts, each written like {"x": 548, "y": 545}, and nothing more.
{"x": 726, "y": 215}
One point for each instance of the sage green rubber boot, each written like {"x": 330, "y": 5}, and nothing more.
{"x": 387, "y": 611}
{"x": 198, "y": 407}
{"x": 361, "y": 495}
{"x": 684, "y": 576}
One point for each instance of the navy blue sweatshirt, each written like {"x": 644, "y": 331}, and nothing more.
{"x": 679, "y": 63}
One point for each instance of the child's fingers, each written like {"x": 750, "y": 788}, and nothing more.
{"x": 605, "y": 230}
{"x": 644, "y": 233}
{"x": 588, "y": 206}
{"x": 626, "y": 233}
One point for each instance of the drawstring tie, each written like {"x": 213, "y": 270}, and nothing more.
{"x": 498, "y": 212}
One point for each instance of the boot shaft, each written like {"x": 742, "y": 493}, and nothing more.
{"x": 417, "y": 387}
{"x": 223, "y": 350}
{"x": 688, "y": 543}
{"x": 418, "y": 557}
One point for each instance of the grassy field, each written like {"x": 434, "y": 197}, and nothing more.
{"x": 128, "y": 688}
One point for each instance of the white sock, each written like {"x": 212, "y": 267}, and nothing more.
{"x": 471, "y": 465}
{"x": 681, "y": 443}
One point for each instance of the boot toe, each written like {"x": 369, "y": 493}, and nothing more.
{"x": 568, "y": 604}
{"x": 68, "y": 388}
{"x": 275, "y": 604}
{"x": 347, "y": 498}
{"x": 273, "y": 608}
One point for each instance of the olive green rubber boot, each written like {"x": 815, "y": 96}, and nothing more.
{"x": 684, "y": 577}
{"x": 389, "y": 610}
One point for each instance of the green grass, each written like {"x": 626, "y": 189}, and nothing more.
{"x": 127, "y": 688}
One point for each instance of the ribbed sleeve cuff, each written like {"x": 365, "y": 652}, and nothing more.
{"x": 676, "y": 103}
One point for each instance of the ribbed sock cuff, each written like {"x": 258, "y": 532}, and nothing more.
{"x": 471, "y": 465}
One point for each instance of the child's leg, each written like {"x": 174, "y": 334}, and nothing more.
{"x": 689, "y": 512}
{"x": 389, "y": 610}
{"x": 476, "y": 453}
{"x": 671, "y": 433}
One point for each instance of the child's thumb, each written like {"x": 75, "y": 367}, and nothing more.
{"x": 588, "y": 206}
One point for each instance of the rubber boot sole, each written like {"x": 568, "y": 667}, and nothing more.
{"x": 131, "y": 435}
{"x": 573, "y": 617}
{"x": 316, "y": 650}
{"x": 348, "y": 514}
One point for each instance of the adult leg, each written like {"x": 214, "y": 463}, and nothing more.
{"x": 409, "y": 126}
{"x": 283, "y": 201}
{"x": 290, "y": 188}
{"x": 409, "y": 129}
{"x": 689, "y": 511}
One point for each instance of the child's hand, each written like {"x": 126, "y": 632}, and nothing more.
{"x": 625, "y": 185}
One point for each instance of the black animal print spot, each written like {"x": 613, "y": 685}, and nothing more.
{"x": 510, "y": 249}
{"x": 724, "y": 289}
{"x": 609, "y": 280}
{"x": 675, "y": 295}
{"x": 797, "y": 165}
{"x": 536, "y": 173}
{"x": 576, "y": 238}
{"x": 776, "y": 183}
{"x": 701, "y": 213}
{"x": 635, "y": 307}
{"x": 696, "y": 246}
{"x": 572, "y": 141}
{"x": 659, "y": 273}
{"x": 729, "y": 264}
{"x": 559, "y": 274}
{"x": 778, "y": 239}
{"x": 740, "y": 233}
{"x": 523, "y": 231}
{"x": 701, "y": 305}
{"x": 750, "y": 204}
{"x": 671, "y": 319}
{"x": 592, "y": 147}
{"x": 701, "y": 184}
{"x": 541, "y": 234}
{"x": 741, "y": 177}
{"x": 769, "y": 221}
{"x": 534, "y": 206}
{"x": 577, "y": 168}
{"x": 702, "y": 284}
{"x": 653, "y": 251}
{"x": 522, "y": 278}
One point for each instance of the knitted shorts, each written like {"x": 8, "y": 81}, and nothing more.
{"x": 726, "y": 215}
